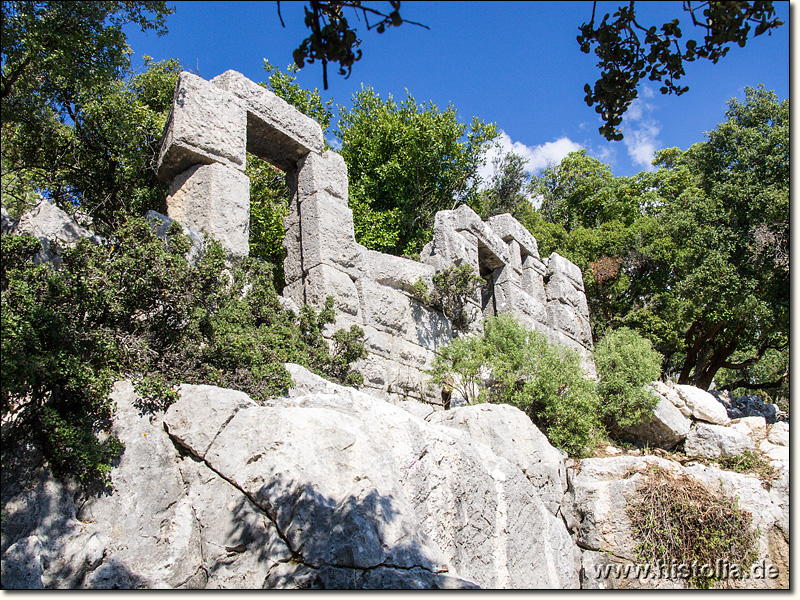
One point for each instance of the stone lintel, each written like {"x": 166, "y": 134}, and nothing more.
{"x": 277, "y": 131}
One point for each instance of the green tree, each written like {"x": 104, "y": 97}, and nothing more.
{"x": 101, "y": 162}
{"x": 136, "y": 308}
{"x": 546, "y": 382}
{"x": 693, "y": 255}
{"x": 52, "y": 50}
{"x": 507, "y": 190}
{"x": 406, "y": 162}
{"x": 625, "y": 363}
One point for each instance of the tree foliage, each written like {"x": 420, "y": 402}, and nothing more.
{"x": 405, "y": 162}
{"x": 101, "y": 161}
{"x": 137, "y": 308}
{"x": 507, "y": 190}
{"x": 626, "y": 363}
{"x": 693, "y": 255}
{"x": 546, "y": 382}
{"x": 51, "y": 50}
{"x": 625, "y": 58}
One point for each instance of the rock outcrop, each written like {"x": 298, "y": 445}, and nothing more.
{"x": 323, "y": 489}
{"x": 53, "y": 227}
{"x": 330, "y": 487}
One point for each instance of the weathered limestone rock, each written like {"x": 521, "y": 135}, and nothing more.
{"x": 150, "y": 521}
{"x": 715, "y": 441}
{"x": 430, "y": 502}
{"x": 668, "y": 391}
{"x": 769, "y": 510}
{"x": 666, "y": 428}
{"x": 753, "y": 427}
{"x": 54, "y": 228}
{"x": 161, "y": 224}
{"x": 594, "y": 506}
{"x": 558, "y": 264}
{"x": 703, "y": 405}
{"x": 327, "y": 238}
{"x": 214, "y": 199}
{"x": 779, "y": 434}
{"x": 276, "y": 131}
{"x": 595, "y": 509}
{"x": 395, "y": 271}
{"x": 511, "y": 434}
{"x": 604, "y": 571}
{"x": 508, "y": 228}
{"x": 324, "y": 173}
{"x": 324, "y": 280}
{"x": 207, "y": 125}
{"x": 7, "y": 223}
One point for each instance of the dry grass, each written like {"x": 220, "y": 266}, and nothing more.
{"x": 675, "y": 517}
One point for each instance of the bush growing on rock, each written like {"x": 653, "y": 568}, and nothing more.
{"x": 136, "y": 307}
{"x": 452, "y": 289}
{"x": 626, "y": 362}
{"x": 543, "y": 380}
{"x": 678, "y": 520}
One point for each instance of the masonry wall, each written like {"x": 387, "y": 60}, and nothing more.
{"x": 212, "y": 126}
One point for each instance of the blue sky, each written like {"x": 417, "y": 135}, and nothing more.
{"x": 516, "y": 64}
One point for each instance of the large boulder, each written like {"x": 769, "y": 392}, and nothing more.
{"x": 664, "y": 428}
{"x": 714, "y": 441}
{"x": 355, "y": 485}
{"x": 703, "y": 406}
{"x": 54, "y": 228}
{"x": 330, "y": 488}
{"x": 511, "y": 434}
{"x": 595, "y": 507}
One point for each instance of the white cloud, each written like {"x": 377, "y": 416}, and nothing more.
{"x": 539, "y": 157}
{"x": 641, "y": 131}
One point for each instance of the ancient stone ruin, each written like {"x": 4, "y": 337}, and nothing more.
{"x": 211, "y": 128}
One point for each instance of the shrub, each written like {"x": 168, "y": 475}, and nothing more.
{"x": 676, "y": 518}
{"x": 546, "y": 382}
{"x": 452, "y": 289}
{"x": 626, "y": 362}
{"x": 751, "y": 461}
{"x": 136, "y": 308}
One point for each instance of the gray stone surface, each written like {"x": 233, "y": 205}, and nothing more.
{"x": 703, "y": 406}
{"x": 779, "y": 434}
{"x": 207, "y": 125}
{"x": 595, "y": 503}
{"x": 54, "y": 228}
{"x": 276, "y": 131}
{"x": 666, "y": 428}
{"x": 604, "y": 571}
{"x": 6, "y": 221}
{"x": 324, "y": 173}
{"x": 508, "y": 228}
{"x": 715, "y": 441}
{"x": 753, "y": 427}
{"x": 161, "y": 225}
{"x": 510, "y": 433}
{"x": 430, "y": 501}
{"x": 214, "y": 199}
